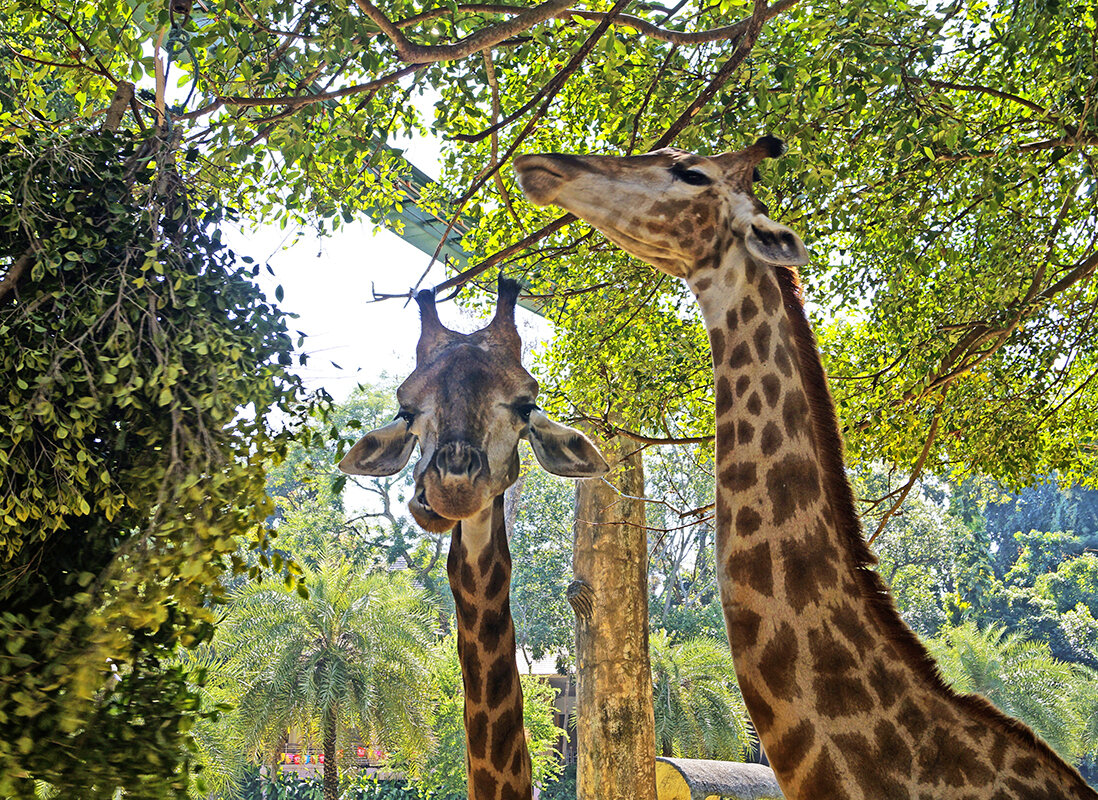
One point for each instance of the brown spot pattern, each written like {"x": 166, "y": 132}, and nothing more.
{"x": 739, "y": 476}
{"x": 748, "y": 309}
{"x": 762, "y": 341}
{"x": 716, "y": 342}
{"x": 771, "y": 439}
{"x": 781, "y": 358}
{"x": 762, "y": 715}
{"x": 887, "y": 684}
{"x": 745, "y": 433}
{"x": 824, "y": 778}
{"x": 499, "y": 581}
{"x": 912, "y": 718}
{"x": 748, "y": 520}
{"x": 476, "y": 730}
{"x": 875, "y": 777}
{"x": 770, "y": 294}
{"x": 754, "y": 404}
{"x": 740, "y": 356}
{"x": 795, "y": 413}
{"x": 839, "y": 689}
{"x": 809, "y": 567}
{"x": 743, "y": 628}
{"x": 778, "y": 663}
{"x": 772, "y": 387}
{"x": 792, "y": 483}
{"x": 946, "y": 758}
{"x": 724, "y": 394}
{"x": 753, "y": 568}
{"x": 790, "y": 750}
{"x": 500, "y": 680}
{"x": 484, "y": 783}
{"x": 508, "y": 728}
{"x": 494, "y": 624}
{"x": 743, "y": 383}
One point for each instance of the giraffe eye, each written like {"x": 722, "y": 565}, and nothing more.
{"x": 406, "y": 415}
{"x": 693, "y": 177}
{"x": 524, "y": 410}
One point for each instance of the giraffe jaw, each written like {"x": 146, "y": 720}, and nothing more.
{"x": 426, "y": 517}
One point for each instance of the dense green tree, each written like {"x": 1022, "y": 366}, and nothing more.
{"x": 349, "y": 660}
{"x": 699, "y": 710}
{"x": 1045, "y": 507}
{"x": 132, "y": 338}
{"x": 1074, "y": 583}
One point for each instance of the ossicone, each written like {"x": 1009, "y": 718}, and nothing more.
{"x": 431, "y": 330}
{"x": 503, "y": 326}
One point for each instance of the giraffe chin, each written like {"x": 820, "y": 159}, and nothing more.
{"x": 427, "y": 519}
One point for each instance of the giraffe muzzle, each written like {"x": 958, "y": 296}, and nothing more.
{"x": 460, "y": 460}
{"x": 541, "y": 177}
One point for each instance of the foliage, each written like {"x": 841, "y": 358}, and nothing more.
{"x": 563, "y": 788}
{"x": 444, "y": 771}
{"x": 541, "y": 556}
{"x": 679, "y": 487}
{"x": 1024, "y": 680}
{"x": 128, "y": 472}
{"x": 699, "y": 710}
{"x": 290, "y": 787}
{"x": 347, "y": 662}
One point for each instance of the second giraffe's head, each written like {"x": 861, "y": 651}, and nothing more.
{"x": 678, "y": 211}
{"x": 468, "y": 402}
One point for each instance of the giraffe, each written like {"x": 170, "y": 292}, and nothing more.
{"x": 468, "y": 403}
{"x": 846, "y": 700}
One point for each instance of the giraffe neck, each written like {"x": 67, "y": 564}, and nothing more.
{"x": 479, "y": 569}
{"x": 845, "y": 700}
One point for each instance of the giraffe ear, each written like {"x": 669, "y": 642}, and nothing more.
{"x": 563, "y": 450}
{"x": 774, "y": 244}
{"x": 384, "y": 451}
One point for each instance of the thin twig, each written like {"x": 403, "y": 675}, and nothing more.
{"x": 743, "y": 48}
{"x": 915, "y": 472}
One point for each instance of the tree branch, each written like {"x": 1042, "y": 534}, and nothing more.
{"x": 644, "y": 27}
{"x": 464, "y": 277}
{"x": 743, "y": 48}
{"x": 484, "y": 38}
{"x": 15, "y": 272}
{"x": 915, "y": 472}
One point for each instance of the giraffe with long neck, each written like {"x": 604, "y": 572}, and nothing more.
{"x": 845, "y": 699}
{"x": 468, "y": 403}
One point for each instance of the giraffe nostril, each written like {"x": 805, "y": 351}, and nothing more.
{"x": 458, "y": 459}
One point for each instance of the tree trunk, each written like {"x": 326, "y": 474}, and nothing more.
{"x": 614, "y": 723}
{"x": 331, "y": 768}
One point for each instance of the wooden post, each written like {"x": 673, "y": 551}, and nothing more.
{"x": 615, "y": 728}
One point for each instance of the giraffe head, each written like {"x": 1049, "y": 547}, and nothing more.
{"x": 678, "y": 211}
{"x": 468, "y": 403}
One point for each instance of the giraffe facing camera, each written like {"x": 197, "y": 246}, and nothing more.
{"x": 468, "y": 403}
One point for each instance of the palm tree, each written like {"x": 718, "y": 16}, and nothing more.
{"x": 699, "y": 710}
{"x": 1019, "y": 676}
{"x": 351, "y": 656}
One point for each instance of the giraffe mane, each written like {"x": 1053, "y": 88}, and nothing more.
{"x": 874, "y": 591}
